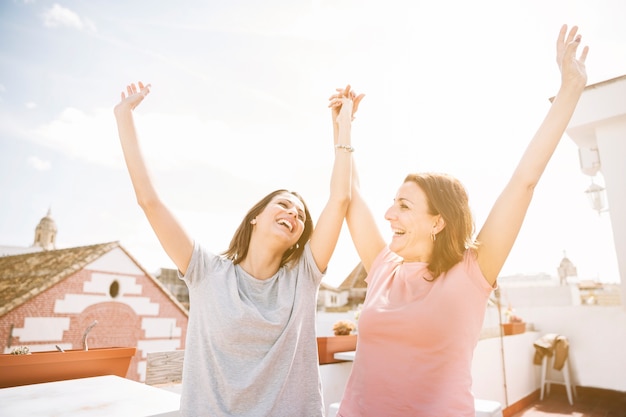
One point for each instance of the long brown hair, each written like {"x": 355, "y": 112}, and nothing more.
{"x": 240, "y": 243}
{"x": 447, "y": 197}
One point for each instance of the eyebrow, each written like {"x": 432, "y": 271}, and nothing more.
{"x": 404, "y": 199}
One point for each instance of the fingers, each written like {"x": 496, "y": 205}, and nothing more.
{"x": 347, "y": 93}
{"x": 583, "y": 55}
{"x": 335, "y": 99}
{"x": 572, "y": 34}
{"x": 562, "y": 40}
{"x": 132, "y": 89}
{"x": 356, "y": 102}
{"x": 144, "y": 89}
{"x": 561, "y": 37}
{"x": 567, "y": 43}
{"x": 573, "y": 42}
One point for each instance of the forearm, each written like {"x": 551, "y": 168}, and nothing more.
{"x": 137, "y": 169}
{"x": 340, "y": 182}
{"x": 366, "y": 237}
{"x": 548, "y": 135}
{"x": 326, "y": 233}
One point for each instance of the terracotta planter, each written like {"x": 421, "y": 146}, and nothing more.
{"x": 57, "y": 366}
{"x": 513, "y": 328}
{"x": 327, "y": 346}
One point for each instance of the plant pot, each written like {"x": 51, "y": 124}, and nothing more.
{"x": 57, "y": 366}
{"x": 513, "y": 328}
{"x": 327, "y": 346}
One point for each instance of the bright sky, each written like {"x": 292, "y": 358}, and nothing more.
{"x": 238, "y": 109}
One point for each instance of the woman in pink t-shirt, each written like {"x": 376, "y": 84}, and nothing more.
{"x": 428, "y": 288}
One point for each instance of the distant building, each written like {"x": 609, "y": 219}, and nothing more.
{"x": 50, "y": 297}
{"x": 566, "y": 269}
{"x": 348, "y": 296}
{"x": 599, "y": 294}
{"x": 175, "y": 285}
{"x": 46, "y": 233}
{"x": 565, "y": 290}
{"x": 521, "y": 290}
{"x": 45, "y": 238}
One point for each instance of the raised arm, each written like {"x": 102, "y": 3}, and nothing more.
{"x": 502, "y": 226}
{"x": 364, "y": 231}
{"x": 174, "y": 240}
{"x": 366, "y": 237}
{"x": 326, "y": 233}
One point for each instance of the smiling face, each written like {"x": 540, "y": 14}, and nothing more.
{"x": 280, "y": 213}
{"x": 412, "y": 224}
{"x": 284, "y": 216}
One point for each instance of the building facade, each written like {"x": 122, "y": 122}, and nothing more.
{"x": 86, "y": 297}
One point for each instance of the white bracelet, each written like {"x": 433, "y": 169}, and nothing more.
{"x": 347, "y": 148}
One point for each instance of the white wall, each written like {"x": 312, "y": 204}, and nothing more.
{"x": 334, "y": 379}
{"x": 597, "y": 336}
{"x": 522, "y": 377}
{"x": 597, "y": 355}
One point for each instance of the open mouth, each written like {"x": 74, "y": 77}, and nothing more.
{"x": 286, "y": 224}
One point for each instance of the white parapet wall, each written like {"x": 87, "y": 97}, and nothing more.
{"x": 509, "y": 383}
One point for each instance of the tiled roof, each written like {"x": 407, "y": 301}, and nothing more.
{"x": 24, "y": 276}
{"x": 356, "y": 279}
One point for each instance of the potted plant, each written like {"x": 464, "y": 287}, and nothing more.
{"x": 21, "y": 367}
{"x": 343, "y": 328}
{"x": 514, "y": 324}
{"x": 342, "y": 341}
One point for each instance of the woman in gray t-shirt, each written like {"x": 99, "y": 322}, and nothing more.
{"x": 251, "y": 348}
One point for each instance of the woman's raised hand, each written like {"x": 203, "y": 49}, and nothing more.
{"x": 133, "y": 96}
{"x": 572, "y": 69}
{"x": 340, "y": 97}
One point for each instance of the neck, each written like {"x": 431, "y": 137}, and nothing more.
{"x": 262, "y": 260}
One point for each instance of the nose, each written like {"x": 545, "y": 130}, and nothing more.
{"x": 293, "y": 211}
{"x": 390, "y": 214}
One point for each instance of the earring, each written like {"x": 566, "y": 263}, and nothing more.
{"x": 433, "y": 236}
{"x": 253, "y": 221}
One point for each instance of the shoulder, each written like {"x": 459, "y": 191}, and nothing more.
{"x": 305, "y": 266}
{"x": 385, "y": 261}
{"x": 470, "y": 267}
{"x": 204, "y": 262}
{"x": 386, "y": 256}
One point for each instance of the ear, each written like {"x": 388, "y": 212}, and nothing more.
{"x": 439, "y": 225}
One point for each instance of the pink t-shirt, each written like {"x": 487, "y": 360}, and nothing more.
{"x": 416, "y": 340}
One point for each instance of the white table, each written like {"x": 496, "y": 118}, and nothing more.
{"x": 101, "y": 396}
{"x": 345, "y": 356}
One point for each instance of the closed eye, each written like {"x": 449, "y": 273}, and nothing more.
{"x": 288, "y": 205}
{"x": 401, "y": 202}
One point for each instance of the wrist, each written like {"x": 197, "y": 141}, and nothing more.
{"x": 344, "y": 147}
{"x": 574, "y": 86}
{"x": 122, "y": 110}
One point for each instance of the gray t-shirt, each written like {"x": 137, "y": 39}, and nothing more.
{"x": 251, "y": 345}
